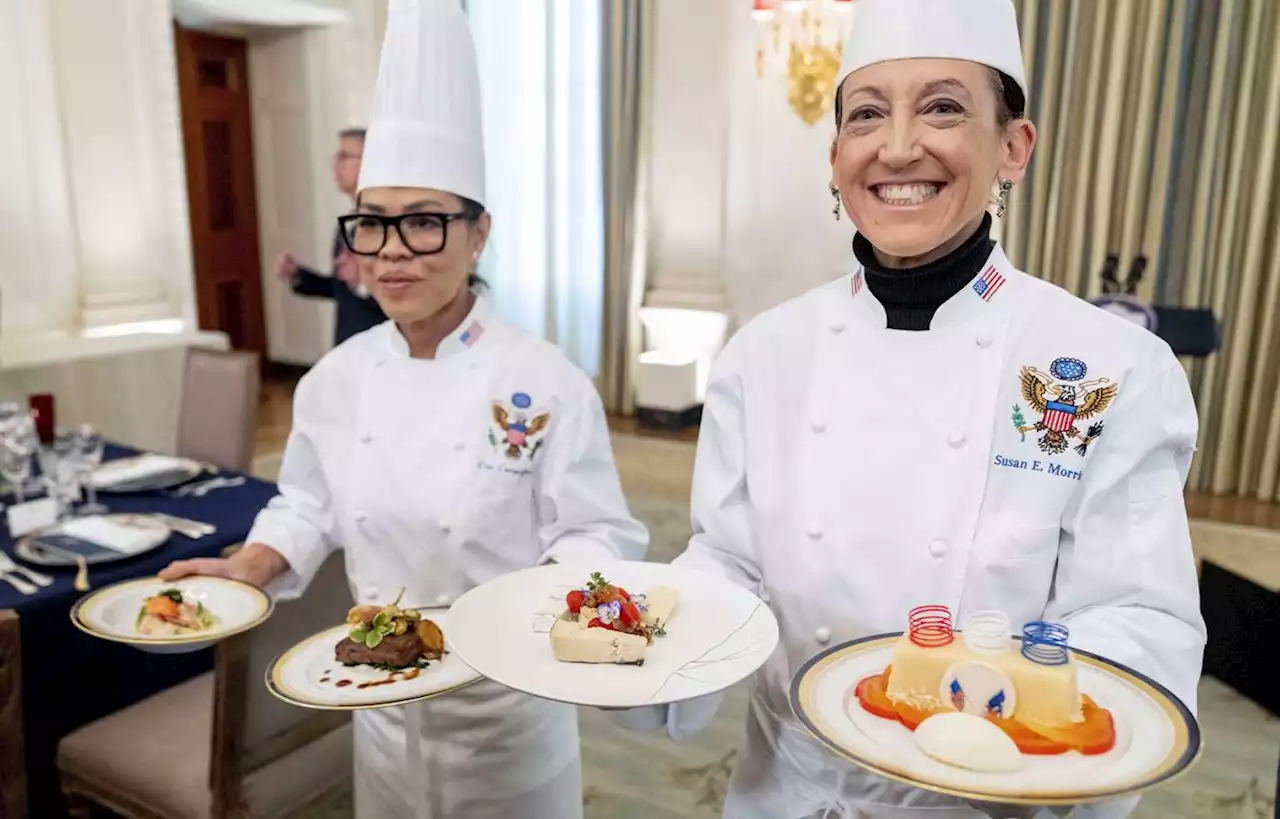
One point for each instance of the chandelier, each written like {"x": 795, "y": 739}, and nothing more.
{"x": 802, "y": 40}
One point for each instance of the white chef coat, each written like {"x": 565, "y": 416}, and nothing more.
{"x": 848, "y": 473}
{"x": 401, "y": 463}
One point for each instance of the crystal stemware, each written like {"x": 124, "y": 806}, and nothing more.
{"x": 60, "y": 464}
{"x": 91, "y": 447}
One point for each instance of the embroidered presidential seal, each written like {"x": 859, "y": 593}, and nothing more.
{"x": 1063, "y": 398}
{"x": 520, "y": 435}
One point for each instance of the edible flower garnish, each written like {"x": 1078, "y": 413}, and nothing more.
{"x": 608, "y": 612}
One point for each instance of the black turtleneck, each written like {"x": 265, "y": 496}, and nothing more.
{"x": 911, "y": 295}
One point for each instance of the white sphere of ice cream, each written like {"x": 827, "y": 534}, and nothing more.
{"x": 966, "y": 741}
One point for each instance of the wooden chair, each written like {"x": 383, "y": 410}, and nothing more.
{"x": 221, "y": 745}
{"x": 13, "y": 772}
{"x": 219, "y": 407}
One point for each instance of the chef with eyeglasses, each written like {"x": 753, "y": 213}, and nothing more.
{"x": 440, "y": 450}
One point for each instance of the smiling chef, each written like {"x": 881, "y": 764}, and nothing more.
{"x": 938, "y": 427}
{"x": 440, "y": 449}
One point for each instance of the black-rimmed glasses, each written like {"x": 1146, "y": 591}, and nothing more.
{"x": 365, "y": 234}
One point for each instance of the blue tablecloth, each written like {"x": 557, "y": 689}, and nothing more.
{"x": 71, "y": 679}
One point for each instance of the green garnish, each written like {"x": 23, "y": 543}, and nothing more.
{"x": 172, "y": 594}
{"x": 383, "y": 625}
{"x": 597, "y": 581}
{"x": 660, "y": 631}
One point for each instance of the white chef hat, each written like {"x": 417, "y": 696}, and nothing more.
{"x": 979, "y": 31}
{"x": 425, "y": 130}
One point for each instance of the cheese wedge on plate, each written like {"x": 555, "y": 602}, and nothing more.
{"x": 575, "y": 643}
{"x": 604, "y": 623}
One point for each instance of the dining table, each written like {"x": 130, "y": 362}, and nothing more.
{"x": 69, "y": 679}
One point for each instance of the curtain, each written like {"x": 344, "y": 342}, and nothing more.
{"x": 1157, "y": 123}
{"x": 626, "y": 38}
{"x": 540, "y": 76}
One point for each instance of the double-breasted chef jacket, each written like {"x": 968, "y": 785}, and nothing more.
{"x": 1027, "y": 453}
{"x": 435, "y": 476}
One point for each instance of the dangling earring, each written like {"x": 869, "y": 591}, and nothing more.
{"x": 835, "y": 209}
{"x": 1002, "y": 199}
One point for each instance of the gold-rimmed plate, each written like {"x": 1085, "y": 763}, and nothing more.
{"x": 1157, "y": 738}
{"x": 309, "y": 676}
{"x": 112, "y": 612}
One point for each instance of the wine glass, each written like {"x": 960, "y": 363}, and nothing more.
{"x": 61, "y": 465}
{"x": 91, "y": 447}
{"x": 15, "y": 464}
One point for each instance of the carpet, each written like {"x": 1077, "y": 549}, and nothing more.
{"x": 639, "y": 776}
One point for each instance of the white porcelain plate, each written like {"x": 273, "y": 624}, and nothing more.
{"x": 144, "y": 473}
{"x": 718, "y": 634}
{"x": 55, "y": 546}
{"x": 111, "y": 613}
{"x": 307, "y": 675}
{"x": 1157, "y": 738}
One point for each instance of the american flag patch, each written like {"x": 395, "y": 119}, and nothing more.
{"x": 472, "y": 334}
{"x": 990, "y": 282}
{"x": 856, "y": 284}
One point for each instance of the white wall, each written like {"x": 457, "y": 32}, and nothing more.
{"x": 307, "y": 84}
{"x": 739, "y": 184}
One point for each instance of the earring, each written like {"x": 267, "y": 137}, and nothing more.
{"x": 1002, "y": 199}
{"x": 835, "y": 209}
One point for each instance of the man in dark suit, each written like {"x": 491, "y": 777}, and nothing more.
{"x": 357, "y": 311}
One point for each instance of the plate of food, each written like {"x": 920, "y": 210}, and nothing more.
{"x": 980, "y": 714}
{"x": 627, "y": 635}
{"x": 382, "y": 656}
{"x": 171, "y": 618}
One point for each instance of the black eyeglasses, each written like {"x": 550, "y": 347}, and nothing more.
{"x": 365, "y": 234}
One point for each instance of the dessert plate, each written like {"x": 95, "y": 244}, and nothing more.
{"x": 111, "y": 613}
{"x": 1157, "y": 738}
{"x": 718, "y": 634}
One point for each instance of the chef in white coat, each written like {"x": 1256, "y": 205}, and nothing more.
{"x": 937, "y": 427}
{"x": 440, "y": 450}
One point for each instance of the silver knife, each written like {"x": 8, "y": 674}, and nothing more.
{"x": 185, "y": 526}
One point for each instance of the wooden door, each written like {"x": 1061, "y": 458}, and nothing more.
{"x": 213, "y": 83}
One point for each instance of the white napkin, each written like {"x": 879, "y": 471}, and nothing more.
{"x": 110, "y": 534}
{"x": 127, "y": 470}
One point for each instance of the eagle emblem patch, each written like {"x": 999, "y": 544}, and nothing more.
{"x": 518, "y": 430}
{"x": 1063, "y": 398}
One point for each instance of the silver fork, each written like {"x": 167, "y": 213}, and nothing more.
{"x": 8, "y": 566}
{"x": 18, "y": 583}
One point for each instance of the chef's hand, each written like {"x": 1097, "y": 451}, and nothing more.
{"x": 286, "y": 267}
{"x": 997, "y": 810}
{"x": 256, "y": 564}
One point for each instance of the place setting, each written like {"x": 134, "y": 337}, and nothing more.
{"x": 982, "y": 714}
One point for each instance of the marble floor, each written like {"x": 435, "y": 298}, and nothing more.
{"x": 629, "y": 776}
